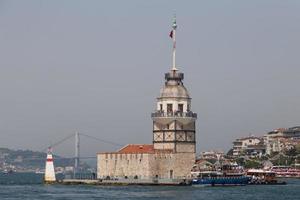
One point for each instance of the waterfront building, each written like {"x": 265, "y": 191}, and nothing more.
{"x": 172, "y": 152}
{"x": 211, "y": 155}
{"x": 202, "y": 165}
{"x": 275, "y": 141}
{"x": 282, "y": 139}
{"x": 251, "y": 145}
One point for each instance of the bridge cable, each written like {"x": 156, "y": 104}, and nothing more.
{"x": 59, "y": 142}
{"x": 101, "y": 140}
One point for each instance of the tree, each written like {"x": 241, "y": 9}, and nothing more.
{"x": 240, "y": 161}
{"x": 230, "y": 152}
{"x": 297, "y": 147}
{"x": 252, "y": 164}
{"x": 291, "y": 151}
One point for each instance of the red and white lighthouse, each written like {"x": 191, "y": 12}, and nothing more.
{"x": 49, "y": 169}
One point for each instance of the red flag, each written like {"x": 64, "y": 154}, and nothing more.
{"x": 171, "y": 34}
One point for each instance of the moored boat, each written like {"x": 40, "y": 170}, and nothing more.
{"x": 229, "y": 174}
{"x": 286, "y": 172}
{"x": 263, "y": 177}
{"x": 213, "y": 178}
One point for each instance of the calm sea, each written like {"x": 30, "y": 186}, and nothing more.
{"x": 29, "y": 186}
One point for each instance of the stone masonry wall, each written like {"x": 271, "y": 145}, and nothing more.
{"x": 181, "y": 164}
{"x": 119, "y": 165}
{"x": 145, "y": 166}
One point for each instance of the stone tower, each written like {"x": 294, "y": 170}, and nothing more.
{"x": 174, "y": 140}
{"x": 173, "y": 120}
{"x": 173, "y": 152}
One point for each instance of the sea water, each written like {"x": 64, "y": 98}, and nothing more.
{"x": 17, "y": 186}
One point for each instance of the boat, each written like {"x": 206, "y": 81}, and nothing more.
{"x": 39, "y": 171}
{"x": 263, "y": 177}
{"x": 218, "y": 178}
{"x": 8, "y": 171}
{"x": 226, "y": 175}
{"x": 286, "y": 172}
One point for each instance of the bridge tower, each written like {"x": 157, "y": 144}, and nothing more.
{"x": 77, "y": 153}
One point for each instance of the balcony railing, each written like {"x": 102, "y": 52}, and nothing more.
{"x": 174, "y": 114}
{"x": 175, "y": 76}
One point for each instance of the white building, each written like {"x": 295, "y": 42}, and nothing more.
{"x": 280, "y": 139}
{"x": 241, "y": 145}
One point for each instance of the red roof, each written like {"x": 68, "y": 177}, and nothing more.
{"x": 137, "y": 148}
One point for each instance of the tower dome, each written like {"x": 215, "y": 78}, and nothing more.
{"x": 174, "y": 87}
{"x": 174, "y": 91}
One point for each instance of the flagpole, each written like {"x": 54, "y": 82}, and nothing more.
{"x": 174, "y": 26}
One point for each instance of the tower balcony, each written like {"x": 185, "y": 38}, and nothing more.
{"x": 174, "y": 76}
{"x": 167, "y": 117}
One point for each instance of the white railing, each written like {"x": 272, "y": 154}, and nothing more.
{"x": 174, "y": 114}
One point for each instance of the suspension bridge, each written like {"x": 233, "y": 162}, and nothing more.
{"x": 77, "y": 136}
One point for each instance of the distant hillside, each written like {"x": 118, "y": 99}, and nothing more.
{"x": 27, "y": 159}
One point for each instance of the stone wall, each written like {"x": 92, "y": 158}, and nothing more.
{"x": 180, "y": 164}
{"x": 145, "y": 166}
{"x": 164, "y": 146}
{"x": 120, "y": 165}
{"x": 185, "y": 147}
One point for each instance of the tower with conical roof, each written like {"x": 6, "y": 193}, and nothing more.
{"x": 172, "y": 154}
{"x": 173, "y": 120}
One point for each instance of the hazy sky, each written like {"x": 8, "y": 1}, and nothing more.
{"x": 97, "y": 67}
